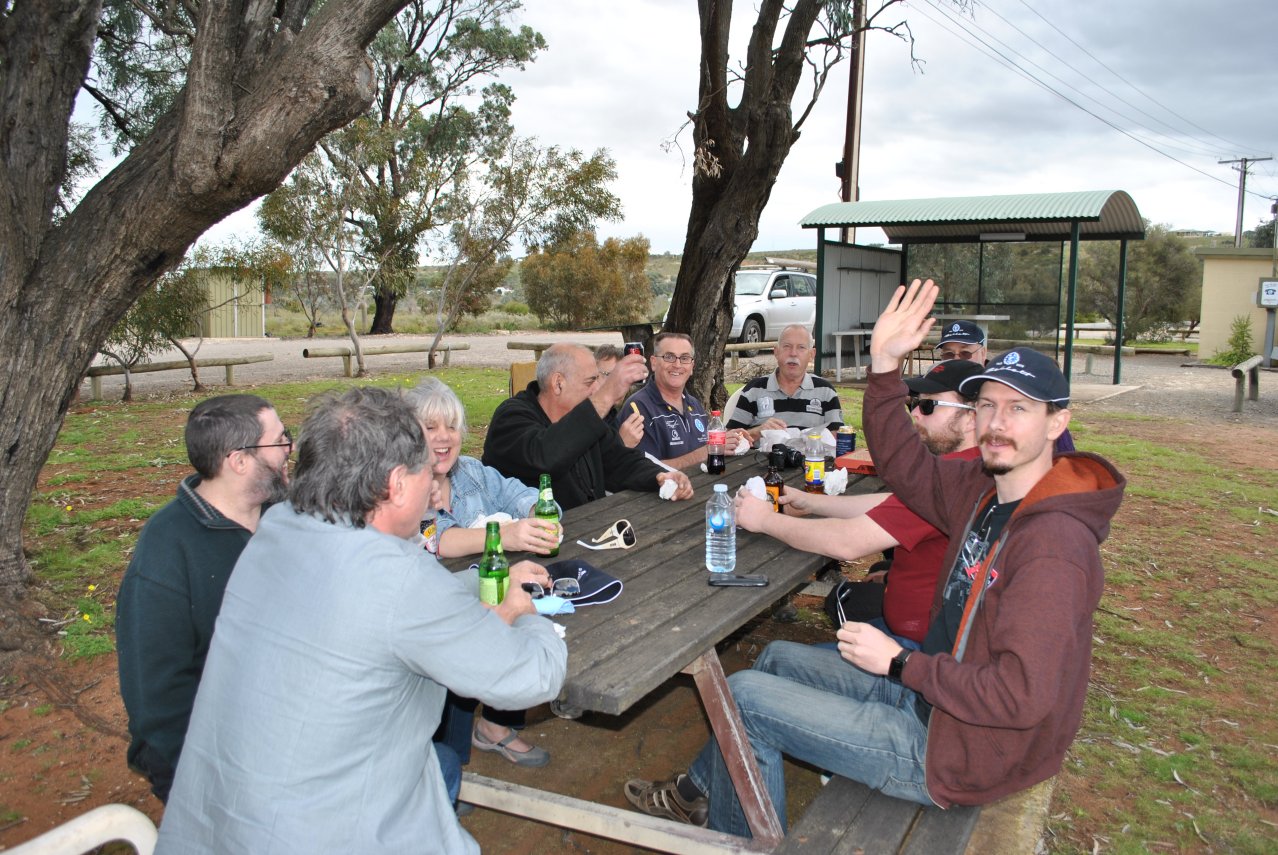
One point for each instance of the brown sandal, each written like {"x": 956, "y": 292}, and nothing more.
{"x": 661, "y": 798}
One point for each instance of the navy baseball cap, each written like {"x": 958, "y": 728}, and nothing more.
{"x": 964, "y": 332}
{"x": 945, "y": 376}
{"x": 1033, "y": 374}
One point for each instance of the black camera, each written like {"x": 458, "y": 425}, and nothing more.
{"x": 790, "y": 457}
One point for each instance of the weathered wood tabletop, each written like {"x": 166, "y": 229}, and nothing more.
{"x": 667, "y": 620}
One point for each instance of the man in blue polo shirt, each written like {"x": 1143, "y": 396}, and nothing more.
{"x": 674, "y": 422}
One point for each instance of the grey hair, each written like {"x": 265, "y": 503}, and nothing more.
{"x": 803, "y": 327}
{"x": 435, "y": 401}
{"x": 217, "y": 426}
{"x": 350, "y": 443}
{"x": 558, "y": 359}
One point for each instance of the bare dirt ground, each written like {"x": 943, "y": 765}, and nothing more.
{"x": 63, "y": 729}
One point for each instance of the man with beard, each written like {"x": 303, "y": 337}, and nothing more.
{"x": 992, "y": 701}
{"x": 790, "y": 396}
{"x": 852, "y": 527}
{"x": 172, "y": 591}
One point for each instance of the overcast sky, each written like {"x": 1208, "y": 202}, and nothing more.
{"x": 622, "y": 76}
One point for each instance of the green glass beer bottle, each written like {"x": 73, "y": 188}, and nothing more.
{"x": 546, "y": 509}
{"x": 494, "y": 569}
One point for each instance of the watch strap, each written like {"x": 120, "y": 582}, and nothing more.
{"x": 897, "y": 665}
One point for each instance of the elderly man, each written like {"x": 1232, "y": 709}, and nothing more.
{"x": 557, "y": 426}
{"x": 992, "y": 701}
{"x": 962, "y": 340}
{"x": 789, "y": 396}
{"x": 852, "y": 527}
{"x": 172, "y": 590}
{"x": 336, "y": 642}
{"x": 674, "y": 422}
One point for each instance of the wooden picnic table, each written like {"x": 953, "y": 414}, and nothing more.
{"x": 667, "y": 620}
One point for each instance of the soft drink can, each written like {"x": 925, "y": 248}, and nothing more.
{"x": 633, "y": 347}
{"x": 845, "y": 441}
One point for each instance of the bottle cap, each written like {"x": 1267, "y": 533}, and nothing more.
{"x": 721, "y": 488}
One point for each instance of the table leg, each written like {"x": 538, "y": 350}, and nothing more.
{"x": 729, "y": 730}
{"x": 838, "y": 359}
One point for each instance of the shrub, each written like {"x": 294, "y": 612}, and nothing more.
{"x": 1240, "y": 345}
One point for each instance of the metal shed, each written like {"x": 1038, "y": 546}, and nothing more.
{"x": 851, "y": 278}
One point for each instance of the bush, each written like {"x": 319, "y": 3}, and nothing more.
{"x": 1240, "y": 345}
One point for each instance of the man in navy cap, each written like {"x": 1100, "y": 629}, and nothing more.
{"x": 962, "y": 340}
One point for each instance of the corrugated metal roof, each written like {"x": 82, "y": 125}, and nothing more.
{"x": 1101, "y": 214}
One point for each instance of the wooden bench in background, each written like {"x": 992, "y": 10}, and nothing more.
{"x": 347, "y": 353}
{"x": 97, "y": 372}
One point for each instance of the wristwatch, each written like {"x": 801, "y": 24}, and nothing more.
{"x": 897, "y": 665}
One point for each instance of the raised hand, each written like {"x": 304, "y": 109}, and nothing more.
{"x": 631, "y": 430}
{"x": 903, "y": 325}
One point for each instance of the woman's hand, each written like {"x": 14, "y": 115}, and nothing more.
{"x": 530, "y": 534}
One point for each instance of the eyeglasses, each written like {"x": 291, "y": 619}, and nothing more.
{"x": 927, "y": 406}
{"x": 947, "y": 355}
{"x": 566, "y": 588}
{"x": 619, "y": 535}
{"x": 670, "y": 358}
{"x": 287, "y": 443}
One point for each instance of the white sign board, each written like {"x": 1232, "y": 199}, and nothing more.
{"x": 1268, "y": 296}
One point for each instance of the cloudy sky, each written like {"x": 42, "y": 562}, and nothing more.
{"x": 1199, "y": 78}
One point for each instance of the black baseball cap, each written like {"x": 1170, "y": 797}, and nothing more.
{"x": 1033, "y": 374}
{"x": 945, "y": 376}
{"x": 964, "y": 332}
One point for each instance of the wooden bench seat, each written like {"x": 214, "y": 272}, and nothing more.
{"x": 848, "y": 818}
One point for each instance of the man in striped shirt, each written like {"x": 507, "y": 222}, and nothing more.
{"x": 789, "y": 396}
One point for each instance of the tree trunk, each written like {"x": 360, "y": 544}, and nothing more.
{"x": 256, "y": 100}
{"x": 738, "y": 154}
{"x": 384, "y": 313}
{"x": 190, "y": 361}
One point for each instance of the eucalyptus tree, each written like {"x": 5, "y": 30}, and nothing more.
{"x": 253, "y": 87}
{"x": 743, "y": 127}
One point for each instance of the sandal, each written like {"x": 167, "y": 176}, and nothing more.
{"x": 661, "y": 798}
{"x": 534, "y": 756}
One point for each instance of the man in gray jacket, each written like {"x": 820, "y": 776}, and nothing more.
{"x": 337, "y": 640}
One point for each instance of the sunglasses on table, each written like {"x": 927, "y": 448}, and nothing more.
{"x": 565, "y": 588}
{"x": 619, "y": 535}
{"x": 927, "y": 406}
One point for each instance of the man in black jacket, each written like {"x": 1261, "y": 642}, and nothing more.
{"x": 557, "y": 426}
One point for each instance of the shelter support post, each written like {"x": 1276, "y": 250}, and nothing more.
{"x": 1122, "y": 304}
{"x": 817, "y": 327}
{"x": 1071, "y": 300}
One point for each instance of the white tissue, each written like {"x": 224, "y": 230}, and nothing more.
{"x": 836, "y": 482}
{"x": 559, "y": 629}
{"x": 498, "y": 517}
{"x": 742, "y": 447}
{"x": 769, "y": 438}
{"x": 668, "y": 489}
{"x": 754, "y": 486}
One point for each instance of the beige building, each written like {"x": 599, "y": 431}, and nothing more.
{"x": 1231, "y": 280}
{"x": 237, "y": 309}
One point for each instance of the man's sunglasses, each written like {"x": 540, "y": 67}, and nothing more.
{"x": 287, "y": 443}
{"x": 619, "y": 535}
{"x": 927, "y": 406}
{"x": 566, "y": 588}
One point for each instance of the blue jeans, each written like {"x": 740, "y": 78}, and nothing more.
{"x": 810, "y": 704}
{"x": 881, "y": 625}
{"x": 450, "y": 768}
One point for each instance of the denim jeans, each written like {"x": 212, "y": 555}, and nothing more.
{"x": 808, "y": 703}
{"x": 450, "y": 768}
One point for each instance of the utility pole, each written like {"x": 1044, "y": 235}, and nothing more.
{"x": 849, "y": 169}
{"x": 1242, "y": 190}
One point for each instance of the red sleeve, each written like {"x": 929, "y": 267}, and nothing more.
{"x": 905, "y": 526}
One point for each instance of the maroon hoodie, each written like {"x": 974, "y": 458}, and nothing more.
{"x": 1007, "y": 705}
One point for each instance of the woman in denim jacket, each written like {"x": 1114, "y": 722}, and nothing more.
{"x": 469, "y": 490}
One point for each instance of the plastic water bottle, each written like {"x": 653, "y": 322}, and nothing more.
{"x": 721, "y": 532}
{"x": 814, "y": 464}
{"x": 717, "y": 438}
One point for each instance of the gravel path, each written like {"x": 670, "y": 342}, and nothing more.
{"x": 1153, "y": 384}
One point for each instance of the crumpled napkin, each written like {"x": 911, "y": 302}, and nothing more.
{"x": 742, "y": 447}
{"x": 498, "y": 517}
{"x": 560, "y": 630}
{"x": 668, "y": 489}
{"x": 754, "y": 486}
{"x": 554, "y": 606}
{"x": 793, "y": 437}
{"x": 836, "y": 481}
